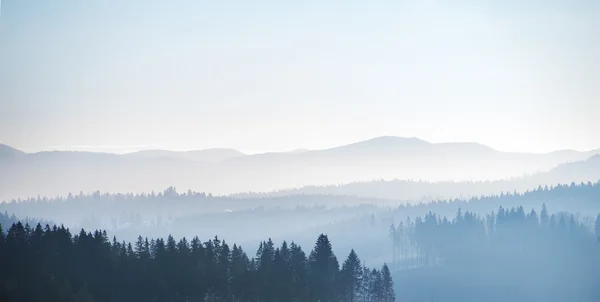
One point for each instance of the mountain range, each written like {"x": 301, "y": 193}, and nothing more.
{"x": 424, "y": 191}
{"x": 226, "y": 171}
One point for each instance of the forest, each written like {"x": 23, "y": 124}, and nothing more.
{"x": 300, "y": 151}
{"x": 51, "y": 264}
{"x": 507, "y": 255}
{"x": 439, "y": 250}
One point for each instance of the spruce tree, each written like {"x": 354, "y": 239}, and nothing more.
{"x": 351, "y": 275}
{"x": 323, "y": 270}
{"x": 387, "y": 285}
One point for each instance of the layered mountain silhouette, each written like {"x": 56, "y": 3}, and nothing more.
{"x": 423, "y": 191}
{"x": 207, "y": 155}
{"x": 7, "y": 151}
{"x": 225, "y": 171}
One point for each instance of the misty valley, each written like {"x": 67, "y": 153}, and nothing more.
{"x": 381, "y": 240}
{"x": 299, "y": 151}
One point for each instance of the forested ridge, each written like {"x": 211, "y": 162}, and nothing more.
{"x": 507, "y": 255}
{"x": 10, "y": 219}
{"x": 300, "y": 151}
{"x": 504, "y": 247}
{"x": 50, "y": 264}
{"x": 180, "y": 213}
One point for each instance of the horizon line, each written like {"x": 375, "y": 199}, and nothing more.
{"x": 129, "y": 149}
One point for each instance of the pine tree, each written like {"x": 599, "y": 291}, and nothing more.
{"x": 265, "y": 257}
{"x": 197, "y": 263}
{"x": 222, "y": 276}
{"x": 146, "y": 250}
{"x": 130, "y": 252}
{"x": 323, "y": 270}
{"x": 2, "y": 236}
{"x": 351, "y": 275}
{"x": 283, "y": 272}
{"x": 299, "y": 271}
{"x": 171, "y": 245}
{"x": 387, "y": 285}
{"x": 239, "y": 273}
{"x": 376, "y": 286}
{"x": 139, "y": 247}
{"x": 364, "y": 294}
{"x": 544, "y": 215}
{"x": 53, "y": 265}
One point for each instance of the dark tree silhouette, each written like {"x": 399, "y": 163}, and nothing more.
{"x": 350, "y": 278}
{"x": 50, "y": 264}
{"x": 323, "y": 271}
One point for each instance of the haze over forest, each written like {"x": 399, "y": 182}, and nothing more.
{"x": 300, "y": 151}
{"x": 227, "y": 171}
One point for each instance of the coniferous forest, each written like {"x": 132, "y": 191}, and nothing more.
{"x": 50, "y": 264}
{"x": 507, "y": 255}
{"x": 299, "y": 151}
{"x": 506, "y": 247}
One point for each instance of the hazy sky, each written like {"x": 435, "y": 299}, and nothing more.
{"x": 117, "y": 75}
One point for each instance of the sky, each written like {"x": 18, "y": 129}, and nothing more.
{"x": 273, "y": 75}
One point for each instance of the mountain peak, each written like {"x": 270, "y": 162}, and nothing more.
{"x": 390, "y": 141}
{"x": 389, "y": 138}
{"x": 6, "y": 150}
{"x": 466, "y": 147}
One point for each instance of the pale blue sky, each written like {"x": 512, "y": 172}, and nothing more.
{"x": 278, "y": 75}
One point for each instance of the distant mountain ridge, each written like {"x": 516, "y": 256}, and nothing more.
{"x": 207, "y": 155}
{"x": 227, "y": 171}
{"x": 376, "y": 144}
{"x": 394, "y": 142}
{"x": 414, "y": 190}
{"x": 6, "y": 151}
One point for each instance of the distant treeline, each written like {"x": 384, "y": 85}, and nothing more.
{"x": 422, "y": 190}
{"x": 508, "y": 255}
{"x": 10, "y": 219}
{"x": 50, "y": 264}
{"x": 99, "y": 210}
{"x": 192, "y": 198}
{"x": 576, "y": 198}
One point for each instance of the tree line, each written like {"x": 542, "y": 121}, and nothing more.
{"x": 50, "y": 264}
{"x": 575, "y": 198}
{"x": 10, "y": 219}
{"x": 100, "y": 210}
{"x": 510, "y": 248}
